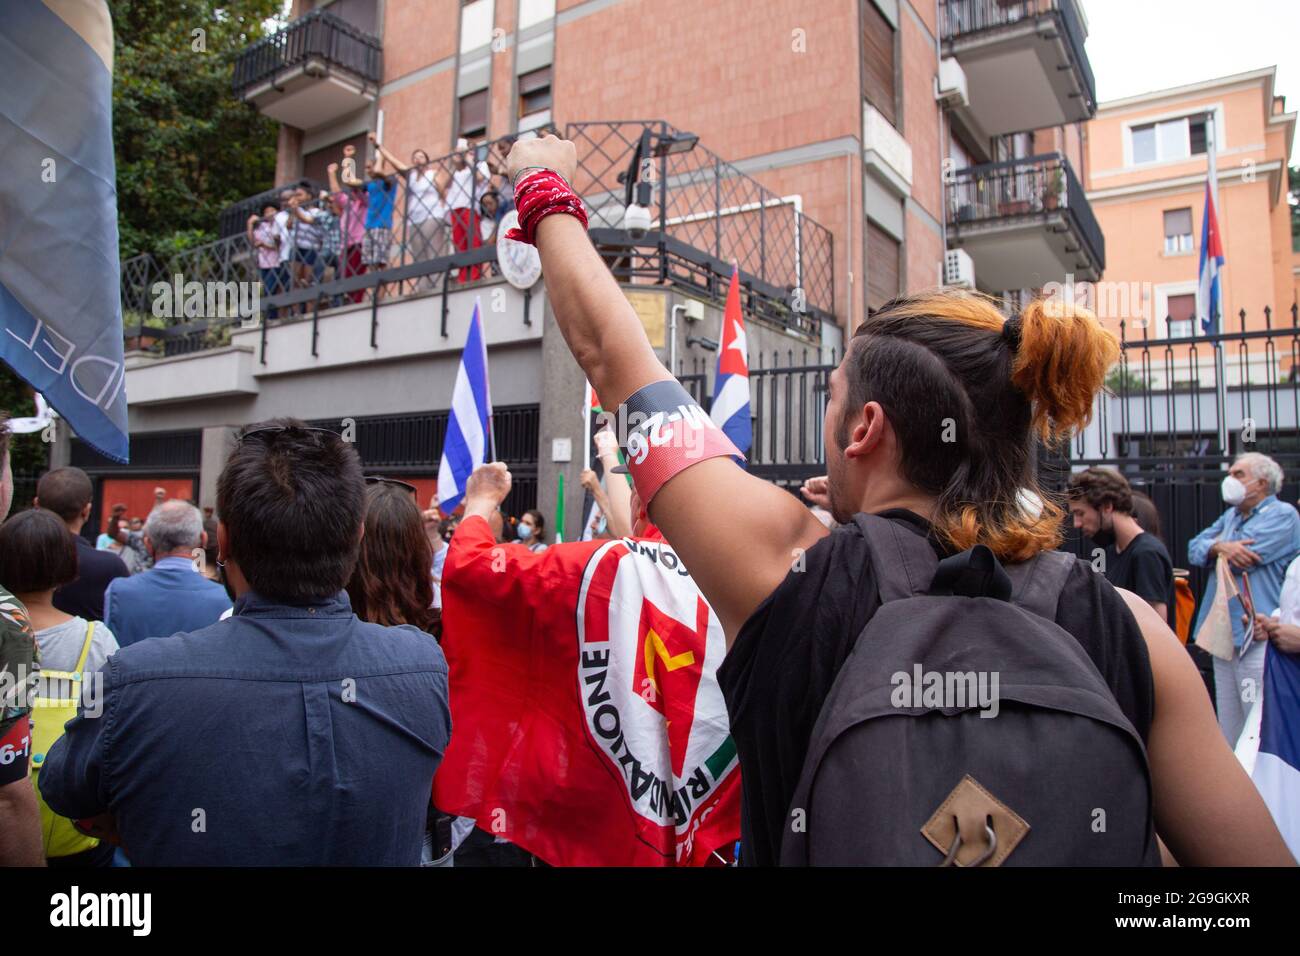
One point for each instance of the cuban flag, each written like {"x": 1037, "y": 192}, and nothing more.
{"x": 1208, "y": 292}
{"x": 469, "y": 428}
{"x": 730, "y": 410}
{"x": 60, "y": 305}
{"x": 1277, "y": 765}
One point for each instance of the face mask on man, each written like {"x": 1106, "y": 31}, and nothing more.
{"x": 525, "y": 531}
{"x": 1234, "y": 492}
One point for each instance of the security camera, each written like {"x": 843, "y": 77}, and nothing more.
{"x": 636, "y": 220}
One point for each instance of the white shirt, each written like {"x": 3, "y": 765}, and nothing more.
{"x": 284, "y": 232}
{"x": 461, "y": 193}
{"x": 1288, "y": 611}
{"x": 439, "y": 560}
{"x": 422, "y": 198}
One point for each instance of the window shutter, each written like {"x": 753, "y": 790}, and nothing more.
{"x": 883, "y": 266}
{"x": 878, "y": 61}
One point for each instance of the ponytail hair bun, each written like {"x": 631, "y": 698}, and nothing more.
{"x": 1061, "y": 364}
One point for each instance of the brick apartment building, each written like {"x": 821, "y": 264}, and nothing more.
{"x": 840, "y": 152}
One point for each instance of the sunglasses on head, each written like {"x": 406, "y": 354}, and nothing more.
{"x": 376, "y": 480}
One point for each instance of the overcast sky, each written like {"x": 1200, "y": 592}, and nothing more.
{"x": 1140, "y": 45}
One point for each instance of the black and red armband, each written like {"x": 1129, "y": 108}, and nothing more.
{"x": 667, "y": 432}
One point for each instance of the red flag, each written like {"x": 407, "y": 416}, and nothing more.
{"x": 587, "y": 722}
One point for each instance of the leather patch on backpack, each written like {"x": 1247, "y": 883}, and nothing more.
{"x": 978, "y": 809}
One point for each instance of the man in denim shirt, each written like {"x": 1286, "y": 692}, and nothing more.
{"x": 291, "y": 734}
{"x": 1259, "y": 535}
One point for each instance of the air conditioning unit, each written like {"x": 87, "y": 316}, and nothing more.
{"x": 958, "y": 269}
{"x": 950, "y": 86}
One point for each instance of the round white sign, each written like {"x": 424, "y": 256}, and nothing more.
{"x": 519, "y": 262}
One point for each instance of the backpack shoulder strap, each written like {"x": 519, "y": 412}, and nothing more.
{"x": 85, "y": 647}
{"x": 903, "y": 563}
{"x": 1036, "y": 584}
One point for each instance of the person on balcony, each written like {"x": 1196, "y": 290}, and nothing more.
{"x": 352, "y": 216}
{"x": 265, "y": 240}
{"x": 425, "y": 210}
{"x": 381, "y": 195}
{"x": 308, "y": 238}
{"x": 328, "y": 209}
{"x": 468, "y": 182}
{"x": 1259, "y": 535}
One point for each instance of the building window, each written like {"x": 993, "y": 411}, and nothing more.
{"x": 878, "y": 62}
{"x": 535, "y": 99}
{"x": 1167, "y": 140}
{"x": 475, "y": 24}
{"x": 1178, "y": 230}
{"x": 532, "y": 12}
{"x": 474, "y": 115}
{"x": 1181, "y": 315}
{"x": 884, "y": 266}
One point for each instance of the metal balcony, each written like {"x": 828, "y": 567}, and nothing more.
{"x": 1024, "y": 60}
{"x": 1024, "y": 223}
{"x": 316, "y": 70}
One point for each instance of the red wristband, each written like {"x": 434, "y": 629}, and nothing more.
{"x": 541, "y": 194}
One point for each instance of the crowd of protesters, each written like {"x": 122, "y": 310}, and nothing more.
{"x": 394, "y": 213}
{"x": 296, "y": 712}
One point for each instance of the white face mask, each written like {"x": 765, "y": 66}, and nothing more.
{"x": 1234, "y": 492}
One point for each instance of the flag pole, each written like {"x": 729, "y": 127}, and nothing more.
{"x": 1217, "y": 321}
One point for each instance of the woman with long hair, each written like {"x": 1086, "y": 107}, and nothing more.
{"x": 393, "y": 580}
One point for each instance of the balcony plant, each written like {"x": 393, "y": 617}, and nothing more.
{"x": 1055, "y": 189}
{"x": 142, "y": 331}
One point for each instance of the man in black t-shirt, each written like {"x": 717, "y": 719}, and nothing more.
{"x": 1101, "y": 504}
{"x": 67, "y": 492}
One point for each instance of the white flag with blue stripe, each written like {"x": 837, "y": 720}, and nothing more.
{"x": 1277, "y": 765}
{"x": 730, "y": 410}
{"x": 469, "y": 428}
{"x": 1208, "y": 290}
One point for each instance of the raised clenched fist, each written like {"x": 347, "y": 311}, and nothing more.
{"x": 491, "y": 482}
{"x": 548, "y": 151}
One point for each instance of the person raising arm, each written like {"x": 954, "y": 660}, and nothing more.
{"x": 712, "y": 510}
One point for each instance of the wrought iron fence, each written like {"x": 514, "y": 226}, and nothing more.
{"x": 704, "y": 215}
{"x": 788, "y": 391}
{"x": 1020, "y": 187}
{"x": 316, "y": 35}
{"x": 959, "y": 18}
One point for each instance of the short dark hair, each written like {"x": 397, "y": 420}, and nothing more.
{"x": 37, "y": 552}
{"x": 65, "y": 491}
{"x": 291, "y": 499}
{"x": 1102, "y": 486}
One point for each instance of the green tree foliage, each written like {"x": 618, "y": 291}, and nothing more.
{"x": 185, "y": 146}
{"x": 27, "y": 453}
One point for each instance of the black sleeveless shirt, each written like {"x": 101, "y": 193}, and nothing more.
{"x": 781, "y": 667}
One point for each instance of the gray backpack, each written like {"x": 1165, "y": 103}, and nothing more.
{"x": 967, "y": 728}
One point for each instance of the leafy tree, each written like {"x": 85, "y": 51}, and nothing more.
{"x": 27, "y": 453}
{"x": 185, "y": 146}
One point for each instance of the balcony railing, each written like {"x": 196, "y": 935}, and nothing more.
{"x": 317, "y": 35}
{"x": 1017, "y": 188}
{"x": 962, "y": 18}
{"x": 705, "y": 215}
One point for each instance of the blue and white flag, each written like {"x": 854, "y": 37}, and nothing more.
{"x": 1277, "y": 765}
{"x": 730, "y": 410}
{"x": 1209, "y": 296}
{"x": 469, "y": 429}
{"x": 60, "y": 304}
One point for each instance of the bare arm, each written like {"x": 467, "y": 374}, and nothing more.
{"x": 332, "y": 171}
{"x": 619, "y": 492}
{"x": 711, "y": 512}
{"x": 1207, "y": 810}
{"x": 20, "y": 825}
{"x": 393, "y": 161}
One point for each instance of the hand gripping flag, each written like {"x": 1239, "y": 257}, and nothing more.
{"x": 1277, "y": 765}
{"x": 1212, "y": 260}
{"x": 60, "y": 305}
{"x": 730, "y": 410}
{"x": 590, "y": 727}
{"x": 469, "y": 427}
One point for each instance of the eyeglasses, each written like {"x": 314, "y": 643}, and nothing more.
{"x": 266, "y": 430}
{"x": 376, "y": 480}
